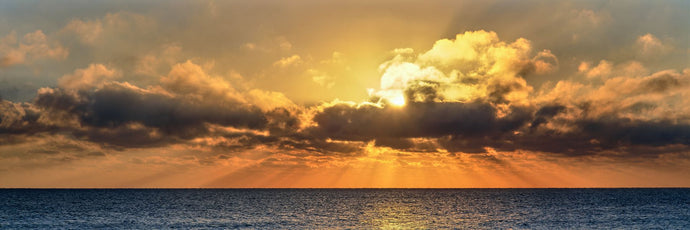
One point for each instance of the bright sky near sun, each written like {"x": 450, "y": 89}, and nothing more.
{"x": 344, "y": 93}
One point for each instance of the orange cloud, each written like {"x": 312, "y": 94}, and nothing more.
{"x": 650, "y": 46}
{"x": 87, "y": 78}
{"x": 33, "y": 46}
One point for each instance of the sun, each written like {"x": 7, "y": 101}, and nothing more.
{"x": 397, "y": 100}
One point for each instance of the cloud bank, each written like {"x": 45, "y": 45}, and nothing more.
{"x": 463, "y": 95}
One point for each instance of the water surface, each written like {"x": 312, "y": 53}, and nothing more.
{"x": 345, "y": 208}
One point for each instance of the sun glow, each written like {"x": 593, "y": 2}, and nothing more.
{"x": 397, "y": 100}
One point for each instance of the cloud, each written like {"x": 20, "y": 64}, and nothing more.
{"x": 583, "y": 23}
{"x": 545, "y": 62}
{"x": 169, "y": 85}
{"x": 602, "y": 70}
{"x": 288, "y": 61}
{"x": 337, "y": 58}
{"x": 118, "y": 110}
{"x": 187, "y": 104}
{"x": 626, "y": 114}
{"x": 367, "y": 122}
{"x": 458, "y": 96}
{"x": 321, "y": 78}
{"x": 191, "y": 79}
{"x": 33, "y": 46}
{"x": 249, "y": 46}
{"x": 18, "y": 118}
{"x": 587, "y": 16}
{"x": 155, "y": 63}
{"x": 476, "y": 64}
{"x": 88, "y": 31}
{"x": 327, "y": 71}
{"x": 268, "y": 100}
{"x": 606, "y": 69}
{"x": 650, "y": 46}
{"x": 284, "y": 44}
{"x": 465, "y": 95}
{"x": 90, "y": 77}
{"x": 273, "y": 44}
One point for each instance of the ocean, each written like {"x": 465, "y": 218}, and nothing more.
{"x": 631, "y": 208}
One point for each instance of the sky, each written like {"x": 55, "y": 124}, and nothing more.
{"x": 344, "y": 94}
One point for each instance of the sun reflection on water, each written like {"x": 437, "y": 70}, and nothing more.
{"x": 395, "y": 214}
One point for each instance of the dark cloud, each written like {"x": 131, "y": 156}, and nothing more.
{"x": 320, "y": 145}
{"x": 625, "y": 132}
{"x": 472, "y": 127}
{"x": 282, "y": 121}
{"x": 595, "y": 136}
{"x": 120, "y": 116}
{"x": 499, "y": 90}
{"x": 545, "y": 113}
{"x": 422, "y": 91}
{"x": 114, "y": 111}
{"x": 19, "y": 119}
{"x": 368, "y": 122}
{"x": 391, "y": 126}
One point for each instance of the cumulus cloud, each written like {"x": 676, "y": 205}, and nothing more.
{"x": 33, "y": 46}
{"x": 474, "y": 65}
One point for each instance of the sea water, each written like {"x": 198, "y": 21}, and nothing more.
{"x": 345, "y": 208}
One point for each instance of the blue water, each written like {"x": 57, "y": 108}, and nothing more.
{"x": 345, "y": 208}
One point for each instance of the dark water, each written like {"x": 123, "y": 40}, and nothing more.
{"x": 346, "y": 208}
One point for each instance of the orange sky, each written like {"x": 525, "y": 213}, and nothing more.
{"x": 346, "y": 94}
